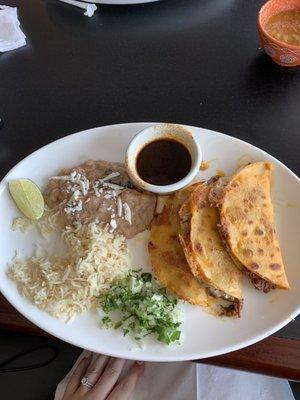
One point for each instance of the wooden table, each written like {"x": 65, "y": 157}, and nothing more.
{"x": 192, "y": 62}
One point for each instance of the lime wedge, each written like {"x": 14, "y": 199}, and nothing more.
{"x": 27, "y": 197}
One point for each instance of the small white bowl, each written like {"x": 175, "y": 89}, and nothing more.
{"x": 163, "y": 131}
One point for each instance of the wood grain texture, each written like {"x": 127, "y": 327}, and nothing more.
{"x": 272, "y": 356}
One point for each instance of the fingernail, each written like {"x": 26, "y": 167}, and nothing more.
{"x": 140, "y": 362}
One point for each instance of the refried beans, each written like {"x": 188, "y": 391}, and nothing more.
{"x": 100, "y": 191}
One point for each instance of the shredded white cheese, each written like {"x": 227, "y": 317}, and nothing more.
{"x": 119, "y": 207}
{"x": 112, "y": 186}
{"x": 127, "y": 213}
{"x": 80, "y": 188}
{"x": 110, "y": 176}
{"x": 73, "y": 207}
{"x": 113, "y": 224}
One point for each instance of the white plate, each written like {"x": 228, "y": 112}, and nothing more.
{"x": 203, "y": 335}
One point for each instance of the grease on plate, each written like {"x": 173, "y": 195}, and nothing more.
{"x": 220, "y": 173}
{"x": 205, "y": 165}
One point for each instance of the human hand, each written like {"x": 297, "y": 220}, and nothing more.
{"x": 102, "y": 379}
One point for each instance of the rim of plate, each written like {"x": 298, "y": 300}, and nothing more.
{"x": 172, "y": 357}
{"x": 126, "y": 2}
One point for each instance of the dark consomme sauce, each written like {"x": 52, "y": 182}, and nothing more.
{"x": 163, "y": 162}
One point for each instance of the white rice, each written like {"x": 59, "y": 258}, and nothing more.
{"x": 67, "y": 286}
{"x": 46, "y": 225}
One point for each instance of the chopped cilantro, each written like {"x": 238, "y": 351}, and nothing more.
{"x": 146, "y": 308}
{"x": 117, "y": 325}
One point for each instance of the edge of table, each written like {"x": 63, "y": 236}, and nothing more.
{"x": 274, "y": 356}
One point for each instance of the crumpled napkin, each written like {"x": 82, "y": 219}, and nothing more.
{"x": 11, "y": 36}
{"x": 90, "y": 8}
